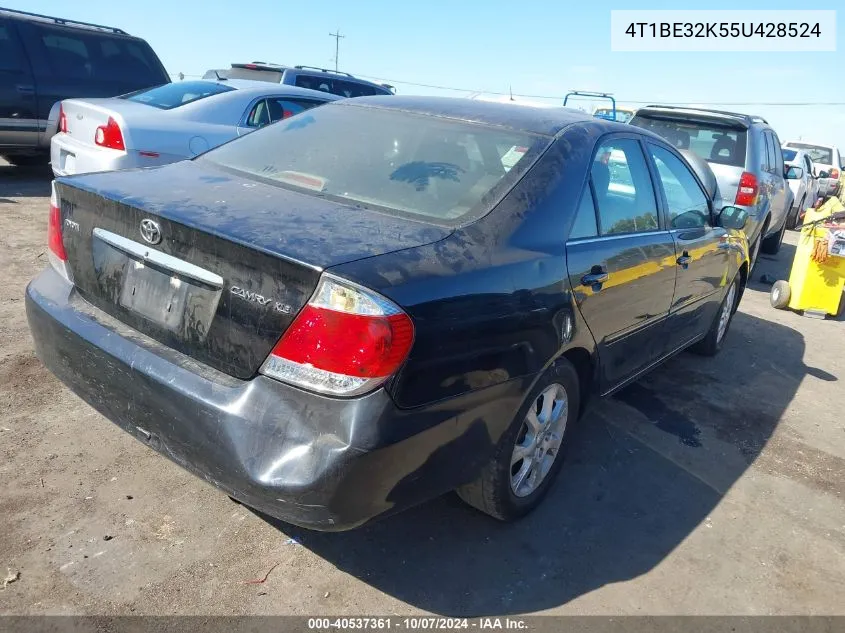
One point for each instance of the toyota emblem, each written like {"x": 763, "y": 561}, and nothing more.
{"x": 150, "y": 231}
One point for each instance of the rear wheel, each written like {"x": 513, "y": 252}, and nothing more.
{"x": 712, "y": 343}
{"x": 780, "y": 294}
{"x": 792, "y": 218}
{"x": 771, "y": 244}
{"x": 530, "y": 453}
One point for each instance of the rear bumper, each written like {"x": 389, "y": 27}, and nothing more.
{"x": 321, "y": 463}
{"x": 69, "y": 156}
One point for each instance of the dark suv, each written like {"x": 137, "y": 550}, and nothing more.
{"x": 333, "y": 81}
{"x": 44, "y": 60}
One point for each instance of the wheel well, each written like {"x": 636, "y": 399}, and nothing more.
{"x": 583, "y": 364}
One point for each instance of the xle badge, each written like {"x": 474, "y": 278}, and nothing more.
{"x": 254, "y": 297}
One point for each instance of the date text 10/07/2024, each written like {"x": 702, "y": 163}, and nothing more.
{"x": 415, "y": 623}
{"x": 724, "y": 29}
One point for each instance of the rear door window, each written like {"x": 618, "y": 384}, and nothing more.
{"x": 622, "y": 184}
{"x": 339, "y": 87}
{"x": 89, "y": 54}
{"x": 10, "y": 58}
{"x": 687, "y": 202}
{"x": 585, "y": 224}
{"x": 285, "y": 107}
{"x": 772, "y": 154}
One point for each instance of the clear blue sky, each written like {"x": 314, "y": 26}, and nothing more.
{"x": 538, "y": 47}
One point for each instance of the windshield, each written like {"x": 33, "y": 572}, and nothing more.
{"x": 823, "y": 155}
{"x": 723, "y": 145}
{"x": 789, "y": 154}
{"x": 177, "y": 94}
{"x": 426, "y": 167}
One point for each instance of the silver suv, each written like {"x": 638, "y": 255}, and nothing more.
{"x": 744, "y": 153}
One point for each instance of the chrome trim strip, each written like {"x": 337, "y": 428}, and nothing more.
{"x": 147, "y": 254}
{"x": 615, "y": 236}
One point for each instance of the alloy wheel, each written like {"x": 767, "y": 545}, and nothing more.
{"x": 539, "y": 440}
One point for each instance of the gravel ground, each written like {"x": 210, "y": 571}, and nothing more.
{"x": 711, "y": 486}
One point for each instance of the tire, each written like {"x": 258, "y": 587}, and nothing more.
{"x": 754, "y": 251}
{"x": 792, "y": 218}
{"x": 711, "y": 344}
{"x": 494, "y": 492}
{"x": 771, "y": 245}
{"x": 780, "y": 294}
{"x": 28, "y": 160}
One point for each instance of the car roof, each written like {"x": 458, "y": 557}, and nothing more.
{"x": 545, "y": 121}
{"x": 305, "y": 70}
{"x": 263, "y": 87}
{"x": 680, "y": 111}
{"x": 15, "y": 14}
{"x": 812, "y": 143}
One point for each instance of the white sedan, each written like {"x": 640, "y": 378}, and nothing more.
{"x": 168, "y": 123}
{"x": 801, "y": 176}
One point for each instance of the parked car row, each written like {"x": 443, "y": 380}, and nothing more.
{"x": 56, "y": 74}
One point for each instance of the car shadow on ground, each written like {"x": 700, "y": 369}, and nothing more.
{"x": 622, "y": 502}
{"x": 24, "y": 182}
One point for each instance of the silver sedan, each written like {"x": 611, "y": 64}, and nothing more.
{"x": 168, "y": 123}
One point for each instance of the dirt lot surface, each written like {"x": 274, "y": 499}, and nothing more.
{"x": 712, "y": 486}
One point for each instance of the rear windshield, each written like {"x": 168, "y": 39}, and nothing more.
{"x": 177, "y": 94}
{"x": 255, "y": 74}
{"x": 789, "y": 154}
{"x": 723, "y": 145}
{"x": 432, "y": 169}
{"x": 823, "y": 155}
{"x": 83, "y": 54}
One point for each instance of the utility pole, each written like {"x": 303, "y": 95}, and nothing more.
{"x": 337, "y": 37}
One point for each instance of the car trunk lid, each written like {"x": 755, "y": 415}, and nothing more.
{"x": 211, "y": 264}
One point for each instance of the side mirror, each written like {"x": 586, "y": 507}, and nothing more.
{"x": 731, "y": 217}
{"x": 794, "y": 173}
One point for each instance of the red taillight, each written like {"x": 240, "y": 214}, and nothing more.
{"x": 746, "y": 195}
{"x": 345, "y": 341}
{"x": 62, "y": 119}
{"x": 54, "y": 229}
{"x": 834, "y": 173}
{"x": 109, "y": 135}
{"x": 56, "y": 252}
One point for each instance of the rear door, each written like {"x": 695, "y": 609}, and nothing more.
{"x": 621, "y": 261}
{"x": 702, "y": 259}
{"x": 779, "y": 194}
{"x": 19, "y": 124}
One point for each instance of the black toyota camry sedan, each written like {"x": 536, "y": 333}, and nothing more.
{"x": 383, "y": 299}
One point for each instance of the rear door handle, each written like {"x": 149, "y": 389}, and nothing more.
{"x": 592, "y": 279}
{"x": 25, "y": 89}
